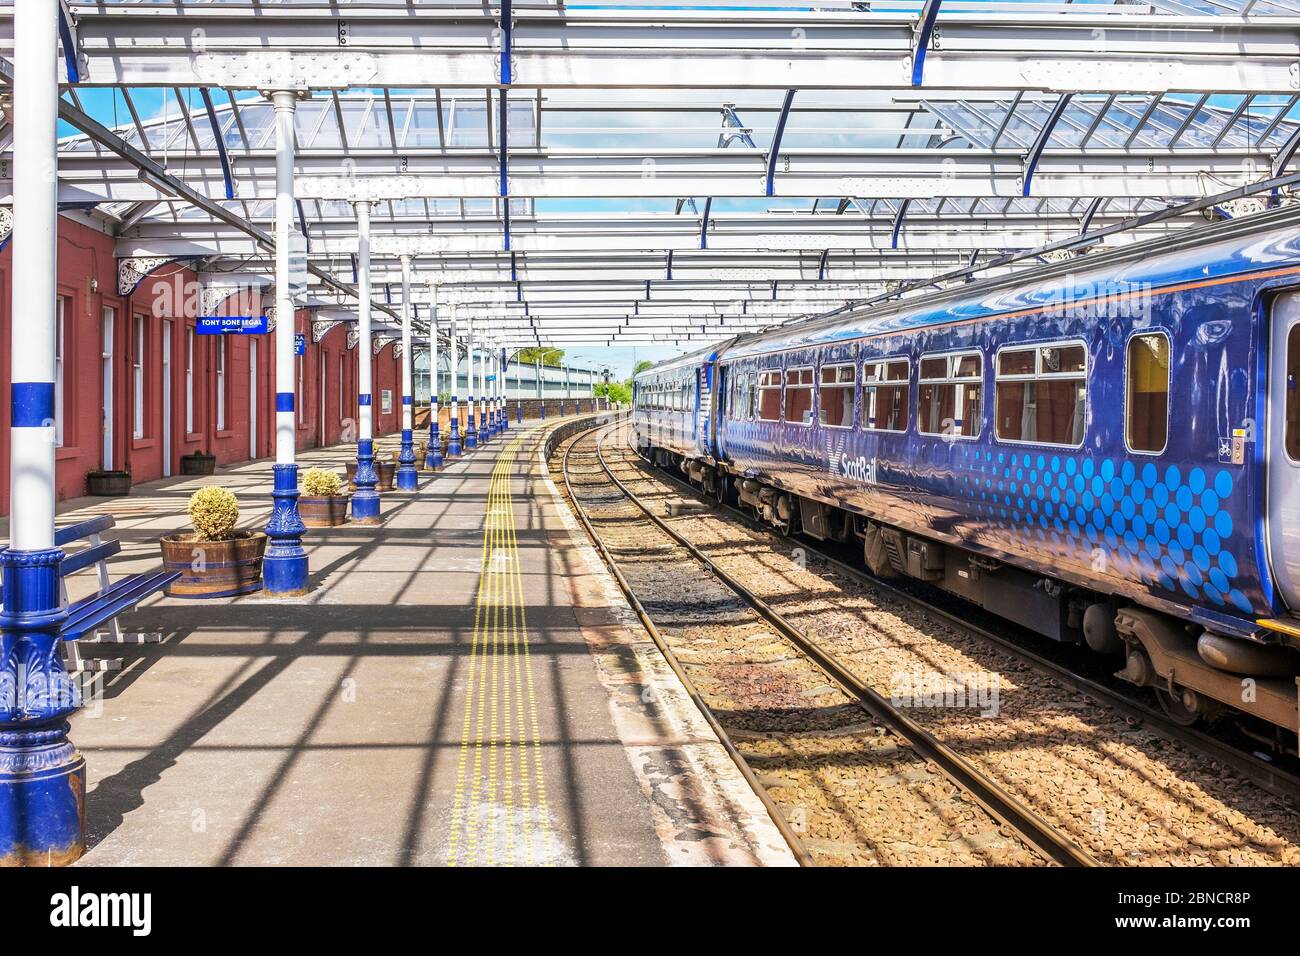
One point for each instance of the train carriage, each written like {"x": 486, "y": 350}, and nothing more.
{"x": 1106, "y": 450}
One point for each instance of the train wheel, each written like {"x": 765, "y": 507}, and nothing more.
{"x": 721, "y": 489}
{"x": 1176, "y": 709}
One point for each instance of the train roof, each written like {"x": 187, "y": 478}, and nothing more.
{"x": 1268, "y": 241}
{"x": 691, "y": 359}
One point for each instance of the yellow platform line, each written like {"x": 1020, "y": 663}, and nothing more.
{"x": 491, "y": 808}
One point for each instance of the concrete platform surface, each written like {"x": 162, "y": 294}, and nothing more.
{"x": 462, "y": 686}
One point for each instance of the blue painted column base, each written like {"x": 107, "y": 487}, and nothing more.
{"x": 542, "y": 405}
{"x": 519, "y": 412}
{"x": 42, "y": 776}
{"x": 433, "y": 457}
{"x": 408, "y": 479}
{"x": 471, "y": 433}
{"x": 505, "y": 417}
{"x": 284, "y": 568}
{"x": 365, "y": 500}
{"x": 453, "y": 440}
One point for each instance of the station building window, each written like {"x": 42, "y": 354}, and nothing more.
{"x": 835, "y": 398}
{"x": 1040, "y": 394}
{"x": 137, "y": 376}
{"x": 1146, "y": 400}
{"x": 885, "y": 395}
{"x": 799, "y": 395}
{"x": 950, "y": 399}
{"x": 189, "y": 381}
{"x": 221, "y": 383}
{"x": 769, "y": 396}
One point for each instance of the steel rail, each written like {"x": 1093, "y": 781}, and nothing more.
{"x": 801, "y": 853}
{"x": 1262, "y": 773}
{"x": 995, "y": 800}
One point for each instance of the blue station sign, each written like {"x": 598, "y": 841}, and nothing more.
{"x": 231, "y": 324}
{"x": 300, "y": 343}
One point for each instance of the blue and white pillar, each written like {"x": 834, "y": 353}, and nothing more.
{"x": 471, "y": 433}
{"x": 42, "y": 776}
{"x": 433, "y": 457}
{"x": 453, "y": 438}
{"x": 284, "y": 569}
{"x": 519, "y": 389}
{"x": 365, "y": 500}
{"x": 407, "y": 477}
{"x": 484, "y": 416}
{"x": 501, "y": 391}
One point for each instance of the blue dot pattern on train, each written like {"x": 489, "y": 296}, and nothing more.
{"x": 1161, "y": 526}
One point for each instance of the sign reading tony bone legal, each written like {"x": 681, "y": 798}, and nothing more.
{"x": 231, "y": 324}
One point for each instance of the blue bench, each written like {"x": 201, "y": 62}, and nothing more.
{"x": 90, "y": 613}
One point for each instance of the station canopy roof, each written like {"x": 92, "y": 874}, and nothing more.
{"x": 629, "y": 173}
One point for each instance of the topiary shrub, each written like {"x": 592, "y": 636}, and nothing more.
{"x": 319, "y": 483}
{"x": 214, "y": 511}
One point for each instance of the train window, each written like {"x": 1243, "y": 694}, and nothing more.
{"x": 950, "y": 398}
{"x": 884, "y": 396}
{"x": 1146, "y": 400}
{"x": 751, "y": 393}
{"x": 1041, "y": 394}
{"x": 799, "y": 395}
{"x": 835, "y": 400}
{"x": 742, "y": 384}
{"x": 769, "y": 396}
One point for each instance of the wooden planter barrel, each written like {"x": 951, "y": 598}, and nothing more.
{"x": 213, "y": 569}
{"x": 108, "y": 484}
{"x": 198, "y": 464}
{"x": 326, "y": 511}
{"x": 386, "y": 470}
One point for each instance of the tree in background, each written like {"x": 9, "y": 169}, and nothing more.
{"x": 550, "y": 357}
{"x": 640, "y": 367}
{"x": 618, "y": 392}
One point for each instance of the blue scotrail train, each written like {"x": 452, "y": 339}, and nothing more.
{"x": 1105, "y": 450}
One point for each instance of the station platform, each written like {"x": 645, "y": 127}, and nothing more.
{"x": 463, "y": 685}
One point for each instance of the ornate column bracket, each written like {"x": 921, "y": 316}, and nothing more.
{"x": 270, "y": 319}
{"x": 133, "y": 270}
{"x": 6, "y": 224}
{"x": 397, "y": 350}
{"x": 353, "y": 338}
{"x": 380, "y": 342}
{"x": 321, "y": 328}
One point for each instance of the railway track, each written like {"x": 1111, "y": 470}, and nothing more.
{"x": 717, "y": 634}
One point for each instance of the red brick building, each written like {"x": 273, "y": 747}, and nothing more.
{"x": 137, "y": 388}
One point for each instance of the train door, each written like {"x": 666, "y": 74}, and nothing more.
{"x": 702, "y": 403}
{"x": 721, "y": 403}
{"x": 1284, "y": 448}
